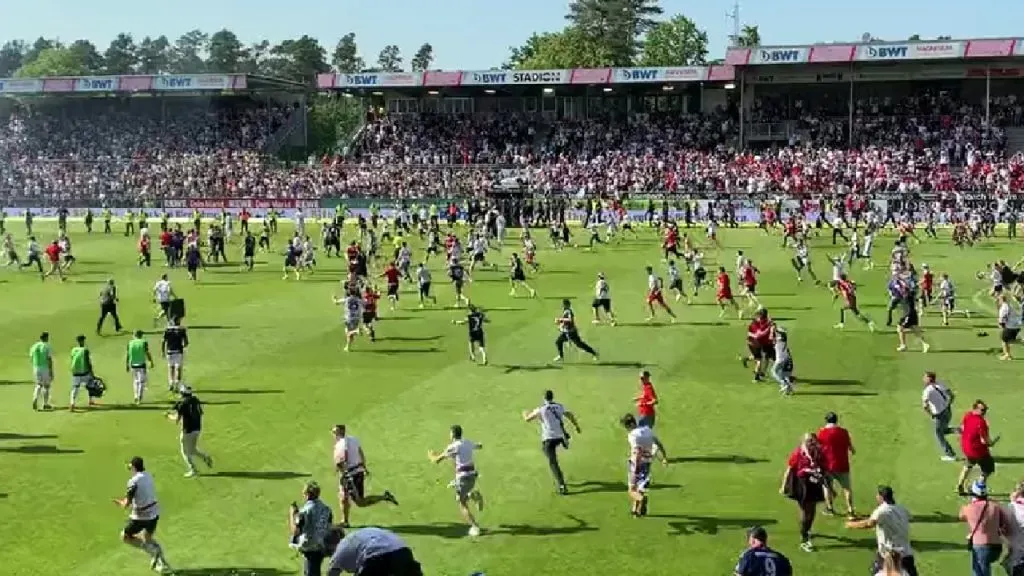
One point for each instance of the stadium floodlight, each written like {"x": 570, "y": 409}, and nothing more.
{"x": 730, "y": 86}
{"x": 607, "y": 89}
{"x": 433, "y": 92}
{"x": 549, "y": 90}
{"x": 377, "y": 93}
{"x": 668, "y": 87}
{"x": 489, "y": 91}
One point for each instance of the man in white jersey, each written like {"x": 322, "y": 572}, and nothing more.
{"x": 163, "y": 295}
{"x": 937, "y": 402}
{"x": 675, "y": 282}
{"x": 143, "y": 516}
{"x": 553, "y": 433}
{"x": 460, "y": 451}
{"x": 643, "y": 446}
{"x": 423, "y": 278}
{"x": 353, "y": 307}
{"x": 350, "y": 463}
{"x": 602, "y": 300}
{"x": 741, "y": 262}
{"x": 947, "y": 297}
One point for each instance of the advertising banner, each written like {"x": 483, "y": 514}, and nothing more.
{"x": 196, "y": 82}
{"x": 670, "y": 74}
{"x": 794, "y": 55}
{"x": 239, "y": 203}
{"x": 378, "y": 80}
{"x": 914, "y": 51}
{"x": 20, "y": 85}
{"x": 540, "y": 77}
{"x": 1018, "y": 47}
{"x": 591, "y": 76}
{"x": 97, "y": 84}
{"x": 725, "y": 73}
{"x": 58, "y": 84}
{"x": 136, "y": 83}
{"x": 989, "y": 48}
{"x": 831, "y": 53}
{"x": 487, "y": 78}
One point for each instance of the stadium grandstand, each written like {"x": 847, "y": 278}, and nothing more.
{"x": 898, "y": 118}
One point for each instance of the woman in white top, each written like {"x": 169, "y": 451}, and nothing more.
{"x": 1014, "y": 561}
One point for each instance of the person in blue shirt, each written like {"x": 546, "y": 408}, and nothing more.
{"x": 759, "y": 559}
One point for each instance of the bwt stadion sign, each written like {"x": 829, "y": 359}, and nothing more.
{"x": 779, "y": 56}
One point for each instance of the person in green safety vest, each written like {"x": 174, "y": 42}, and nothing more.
{"x": 81, "y": 370}
{"x": 136, "y": 360}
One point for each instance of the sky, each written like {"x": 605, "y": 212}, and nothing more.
{"x": 477, "y": 34}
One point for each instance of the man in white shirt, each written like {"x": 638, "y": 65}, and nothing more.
{"x": 937, "y": 402}
{"x": 460, "y": 451}
{"x": 1014, "y": 561}
{"x": 163, "y": 294}
{"x": 553, "y": 433}
{"x": 1009, "y": 321}
{"x": 143, "y": 516}
{"x": 892, "y": 531}
{"x": 350, "y": 463}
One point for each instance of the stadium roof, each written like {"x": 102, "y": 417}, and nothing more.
{"x": 167, "y": 83}
{"x": 869, "y": 52}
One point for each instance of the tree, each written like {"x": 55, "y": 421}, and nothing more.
{"x": 256, "y": 58}
{"x": 187, "y": 53}
{"x": 12, "y": 55}
{"x": 749, "y": 37}
{"x": 675, "y": 42}
{"x": 122, "y": 56}
{"x": 390, "y": 59}
{"x": 37, "y": 47}
{"x": 298, "y": 60}
{"x": 57, "y": 61}
{"x": 154, "y": 55}
{"x": 331, "y": 118}
{"x": 226, "y": 52}
{"x": 616, "y": 26}
{"x": 423, "y": 58}
{"x": 87, "y": 54}
{"x": 570, "y": 48}
{"x": 914, "y": 38}
{"x": 346, "y": 55}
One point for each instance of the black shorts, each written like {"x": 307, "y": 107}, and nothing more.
{"x": 518, "y": 276}
{"x": 751, "y": 288}
{"x": 699, "y": 275}
{"x": 399, "y": 562}
{"x": 425, "y": 289}
{"x": 393, "y": 290}
{"x": 458, "y": 286}
{"x": 1009, "y": 335}
{"x": 987, "y": 464}
{"x": 603, "y": 304}
{"x": 165, "y": 307}
{"x": 354, "y": 484}
{"x": 134, "y": 527}
{"x": 478, "y": 256}
{"x": 369, "y": 317}
{"x": 676, "y": 284}
{"x": 760, "y": 352}
{"x": 910, "y": 320}
{"x": 476, "y": 338}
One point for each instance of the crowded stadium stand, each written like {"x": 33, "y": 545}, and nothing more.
{"x": 910, "y": 117}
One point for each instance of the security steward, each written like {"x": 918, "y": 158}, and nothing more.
{"x": 108, "y": 306}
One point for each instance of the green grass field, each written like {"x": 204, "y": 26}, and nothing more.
{"x": 266, "y": 359}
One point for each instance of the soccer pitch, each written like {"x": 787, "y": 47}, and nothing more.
{"x": 266, "y": 359}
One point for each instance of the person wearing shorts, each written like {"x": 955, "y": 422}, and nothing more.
{"x": 42, "y": 371}
{"x": 460, "y": 451}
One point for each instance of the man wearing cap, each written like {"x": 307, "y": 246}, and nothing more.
{"x": 891, "y": 522}
{"x": 988, "y": 524}
{"x": 759, "y": 559}
{"x": 188, "y": 412}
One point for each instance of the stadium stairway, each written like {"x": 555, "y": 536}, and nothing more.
{"x": 287, "y": 133}
{"x": 1014, "y": 140}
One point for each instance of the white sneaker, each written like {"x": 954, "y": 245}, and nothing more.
{"x": 191, "y": 474}
{"x": 925, "y": 347}
{"x": 901, "y": 348}
{"x": 948, "y": 458}
{"x": 474, "y": 531}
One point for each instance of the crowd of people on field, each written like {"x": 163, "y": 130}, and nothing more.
{"x": 137, "y": 150}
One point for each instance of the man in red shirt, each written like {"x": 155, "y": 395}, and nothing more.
{"x": 393, "y": 275}
{"x": 370, "y": 298}
{"x": 759, "y": 343}
{"x": 723, "y": 294}
{"x": 976, "y": 444}
{"x": 53, "y": 252}
{"x": 837, "y": 448}
{"x": 646, "y": 400}
{"x": 750, "y": 273}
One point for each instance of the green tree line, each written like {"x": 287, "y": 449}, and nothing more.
{"x": 197, "y": 52}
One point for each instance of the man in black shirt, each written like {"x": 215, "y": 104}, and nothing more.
{"x": 249, "y": 251}
{"x": 475, "y": 321}
{"x": 108, "y": 306}
{"x": 567, "y": 332}
{"x": 188, "y": 412}
{"x": 173, "y": 349}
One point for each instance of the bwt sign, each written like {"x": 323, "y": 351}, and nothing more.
{"x": 361, "y": 79}
{"x": 774, "y": 56}
{"x": 94, "y": 84}
{"x": 639, "y": 74}
{"x": 489, "y": 78}
{"x": 887, "y": 52}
